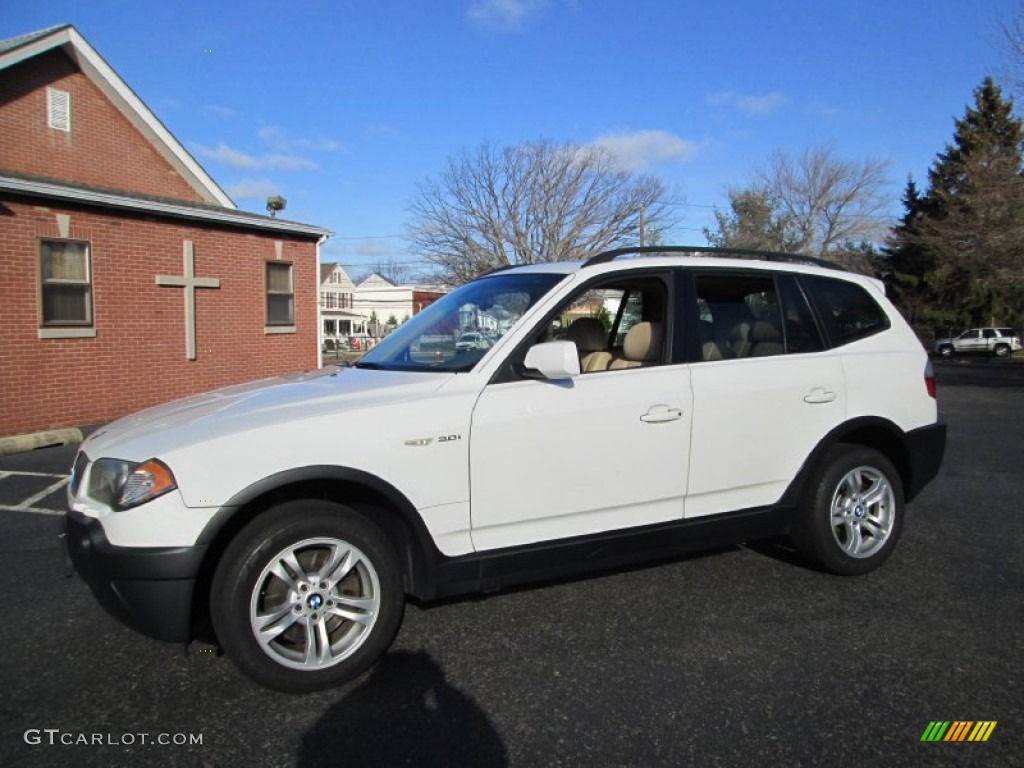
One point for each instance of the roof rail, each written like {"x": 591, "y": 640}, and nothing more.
{"x": 699, "y": 250}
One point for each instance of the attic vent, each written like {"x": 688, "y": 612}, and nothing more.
{"x": 58, "y": 109}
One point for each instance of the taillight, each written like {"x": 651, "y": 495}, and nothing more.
{"x": 929, "y": 379}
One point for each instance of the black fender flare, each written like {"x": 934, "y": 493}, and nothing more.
{"x": 888, "y": 438}
{"x": 421, "y": 555}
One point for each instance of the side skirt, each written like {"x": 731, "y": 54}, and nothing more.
{"x": 553, "y": 560}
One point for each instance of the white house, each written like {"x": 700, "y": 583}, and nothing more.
{"x": 338, "y": 319}
{"x": 377, "y": 298}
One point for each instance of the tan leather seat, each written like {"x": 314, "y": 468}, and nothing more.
{"x": 642, "y": 346}
{"x": 739, "y": 339}
{"x": 709, "y": 348}
{"x": 591, "y": 339}
{"x": 765, "y": 339}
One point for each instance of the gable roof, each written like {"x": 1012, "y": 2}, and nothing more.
{"x": 67, "y": 39}
{"x": 376, "y": 280}
{"x": 50, "y": 189}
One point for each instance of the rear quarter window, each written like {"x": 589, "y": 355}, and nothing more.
{"x": 847, "y": 310}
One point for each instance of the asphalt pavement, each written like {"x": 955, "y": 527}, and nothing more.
{"x": 738, "y": 657}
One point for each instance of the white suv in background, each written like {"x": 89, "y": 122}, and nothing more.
{"x": 1001, "y": 342}
{"x": 646, "y": 403}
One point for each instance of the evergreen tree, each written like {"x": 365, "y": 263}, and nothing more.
{"x": 753, "y": 222}
{"x": 957, "y": 255}
{"x": 907, "y": 263}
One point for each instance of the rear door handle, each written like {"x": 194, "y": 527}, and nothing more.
{"x": 819, "y": 395}
{"x": 658, "y": 414}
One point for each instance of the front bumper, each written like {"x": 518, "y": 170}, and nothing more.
{"x": 148, "y": 588}
{"x": 925, "y": 448}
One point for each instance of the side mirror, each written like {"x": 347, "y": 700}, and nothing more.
{"x": 556, "y": 360}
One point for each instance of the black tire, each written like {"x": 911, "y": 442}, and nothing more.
{"x": 1002, "y": 350}
{"x": 946, "y": 350}
{"x": 867, "y": 493}
{"x": 356, "y": 605}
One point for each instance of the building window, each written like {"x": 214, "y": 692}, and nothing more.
{"x": 280, "y": 294}
{"x": 58, "y": 109}
{"x": 65, "y": 283}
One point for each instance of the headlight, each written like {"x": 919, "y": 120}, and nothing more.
{"x": 122, "y": 484}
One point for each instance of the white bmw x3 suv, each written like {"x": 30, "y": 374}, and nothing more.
{"x": 646, "y": 403}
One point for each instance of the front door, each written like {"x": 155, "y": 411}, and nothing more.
{"x": 605, "y": 451}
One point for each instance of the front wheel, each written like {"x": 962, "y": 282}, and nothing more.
{"x": 946, "y": 351}
{"x": 850, "y": 519}
{"x": 307, "y": 596}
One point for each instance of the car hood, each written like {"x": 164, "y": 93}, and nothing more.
{"x": 255, "y": 404}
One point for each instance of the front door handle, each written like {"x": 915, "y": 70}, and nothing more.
{"x": 658, "y": 414}
{"x": 819, "y": 395}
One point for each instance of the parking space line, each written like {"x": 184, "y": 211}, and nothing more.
{"x": 32, "y": 510}
{"x": 28, "y": 504}
{"x": 9, "y": 472}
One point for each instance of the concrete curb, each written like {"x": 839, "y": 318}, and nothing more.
{"x": 33, "y": 440}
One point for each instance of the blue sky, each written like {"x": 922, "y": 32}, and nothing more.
{"x": 343, "y": 106}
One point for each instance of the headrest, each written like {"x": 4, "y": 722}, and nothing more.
{"x": 643, "y": 342}
{"x": 740, "y": 331}
{"x": 588, "y": 333}
{"x": 763, "y": 331}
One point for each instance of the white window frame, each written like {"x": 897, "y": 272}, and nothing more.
{"x": 65, "y": 328}
{"x": 279, "y": 326}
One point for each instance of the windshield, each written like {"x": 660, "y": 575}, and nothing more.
{"x": 452, "y": 334}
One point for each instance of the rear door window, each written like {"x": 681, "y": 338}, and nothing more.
{"x": 738, "y": 316}
{"x": 847, "y": 309}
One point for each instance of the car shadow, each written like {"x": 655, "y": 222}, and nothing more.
{"x": 781, "y": 549}
{"x": 405, "y": 713}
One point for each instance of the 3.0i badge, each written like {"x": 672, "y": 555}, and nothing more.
{"x": 420, "y": 442}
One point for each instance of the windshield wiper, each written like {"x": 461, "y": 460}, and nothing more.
{"x": 368, "y": 366}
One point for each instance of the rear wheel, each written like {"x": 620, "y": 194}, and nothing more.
{"x": 850, "y": 519}
{"x": 307, "y": 596}
{"x": 1002, "y": 350}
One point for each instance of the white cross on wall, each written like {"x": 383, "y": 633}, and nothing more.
{"x": 189, "y": 282}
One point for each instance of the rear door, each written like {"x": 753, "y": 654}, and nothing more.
{"x": 765, "y": 389}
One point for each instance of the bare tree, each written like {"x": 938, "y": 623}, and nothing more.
{"x": 826, "y": 202}
{"x": 534, "y": 202}
{"x": 1011, "y": 42}
{"x": 398, "y": 272}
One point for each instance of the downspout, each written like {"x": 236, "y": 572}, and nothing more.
{"x": 319, "y": 309}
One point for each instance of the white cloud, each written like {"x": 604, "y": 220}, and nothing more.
{"x": 278, "y": 138}
{"x": 219, "y": 111}
{"x": 234, "y": 158}
{"x": 755, "y": 105}
{"x": 503, "y": 15}
{"x": 379, "y": 131}
{"x": 374, "y": 248}
{"x": 640, "y": 150}
{"x": 821, "y": 109}
{"x": 258, "y": 189}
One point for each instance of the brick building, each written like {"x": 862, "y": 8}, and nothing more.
{"x": 127, "y": 275}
